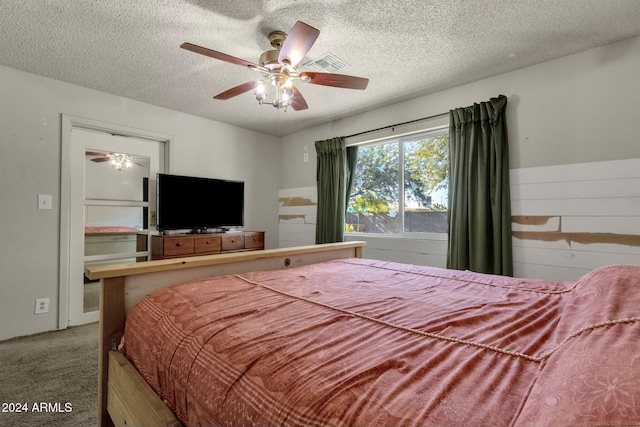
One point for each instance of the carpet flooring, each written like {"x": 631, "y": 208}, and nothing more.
{"x": 52, "y": 378}
{"x": 91, "y": 296}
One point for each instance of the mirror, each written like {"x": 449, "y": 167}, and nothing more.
{"x": 116, "y": 213}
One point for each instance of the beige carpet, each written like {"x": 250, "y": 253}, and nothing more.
{"x": 55, "y": 374}
{"x": 91, "y": 296}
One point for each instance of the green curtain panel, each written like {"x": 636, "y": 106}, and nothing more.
{"x": 479, "y": 200}
{"x": 352, "y": 161}
{"x": 335, "y": 169}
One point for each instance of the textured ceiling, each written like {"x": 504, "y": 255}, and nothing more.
{"x": 406, "y": 48}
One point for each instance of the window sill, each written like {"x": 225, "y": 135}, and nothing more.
{"x": 405, "y": 236}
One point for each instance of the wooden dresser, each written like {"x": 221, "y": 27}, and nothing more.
{"x": 184, "y": 245}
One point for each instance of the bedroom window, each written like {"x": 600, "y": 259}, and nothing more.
{"x": 383, "y": 203}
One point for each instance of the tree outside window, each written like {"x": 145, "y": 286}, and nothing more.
{"x": 381, "y": 203}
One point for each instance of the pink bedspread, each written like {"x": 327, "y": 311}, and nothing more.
{"x": 369, "y": 343}
{"x": 109, "y": 229}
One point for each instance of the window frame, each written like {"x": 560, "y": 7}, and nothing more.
{"x": 400, "y": 139}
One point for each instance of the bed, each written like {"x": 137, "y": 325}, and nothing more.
{"x": 319, "y": 336}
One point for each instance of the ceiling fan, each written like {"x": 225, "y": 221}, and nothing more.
{"x": 280, "y": 67}
{"x": 118, "y": 161}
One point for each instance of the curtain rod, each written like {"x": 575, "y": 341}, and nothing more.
{"x": 399, "y": 124}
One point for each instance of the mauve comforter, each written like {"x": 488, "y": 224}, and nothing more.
{"x": 368, "y": 343}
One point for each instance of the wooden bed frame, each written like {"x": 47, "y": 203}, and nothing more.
{"x": 124, "y": 398}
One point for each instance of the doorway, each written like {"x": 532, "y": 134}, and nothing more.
{"x": 107, "y": 206}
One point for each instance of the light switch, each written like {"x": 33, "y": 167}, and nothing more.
{"x": 44, "y": 201}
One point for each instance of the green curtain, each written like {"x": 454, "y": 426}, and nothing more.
{"x": 479, "y": 200}
{"x": 334, "y": 175}
{"x": 352, "y": 161}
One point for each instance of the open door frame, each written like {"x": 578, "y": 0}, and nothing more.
{"x": 68, "y": 123}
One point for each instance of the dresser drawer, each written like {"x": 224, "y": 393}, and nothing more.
{"x": 175, "y": 246}
{"x": 232, "y": 242}
{"x": 254, "y": 240}
{"x": 185, "y": 245}
{"x": 207, "y": 244}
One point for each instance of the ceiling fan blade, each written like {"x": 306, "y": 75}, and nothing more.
{"x": 298, "y": 43}
{"x": 101, "y": 159}
{"x": 335, "y": 80}
{"x": 235, "y": 91}
{"x": 95, "y": 153}
{"x": 221, "y": 56}
{"x": 297, "y": 101}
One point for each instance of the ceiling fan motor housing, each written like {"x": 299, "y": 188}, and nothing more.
{"x": 269, "y": 60}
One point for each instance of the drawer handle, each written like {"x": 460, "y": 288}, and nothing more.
{"x": 208, "y": 242}
{"x": 179, "y": 244}
{"x": 233, "y": 241}
{"x": 255, "y": 238}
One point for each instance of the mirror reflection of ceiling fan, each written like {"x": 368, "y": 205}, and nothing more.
{"x": 118, "y": 161}
{"x": 279, "y": 67}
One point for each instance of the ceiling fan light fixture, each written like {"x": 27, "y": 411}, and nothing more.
{"x": 286, "y": 96}
{"x": 260, "y": 92}
{"x": 121, "y": 161}
{"x": 284, "y": 91}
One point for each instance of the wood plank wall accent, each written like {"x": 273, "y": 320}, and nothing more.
{"x": 570, "y": 219}
{"x": 297, "y": 214}
{"x": 567, "y": 220}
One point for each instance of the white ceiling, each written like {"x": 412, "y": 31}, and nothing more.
{"x": 406, "y": 48}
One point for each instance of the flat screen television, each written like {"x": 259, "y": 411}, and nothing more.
{"x": 198, "y": 204}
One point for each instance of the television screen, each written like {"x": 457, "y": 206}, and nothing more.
{"x": 198, "y": 204}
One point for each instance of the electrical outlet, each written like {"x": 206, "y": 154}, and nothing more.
{"x": 42, "y": 305}
{"x": 305, "y": 157}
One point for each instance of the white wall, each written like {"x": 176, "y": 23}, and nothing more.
{"x": 578, "y": 109}
{"x": 30, "y": 156}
